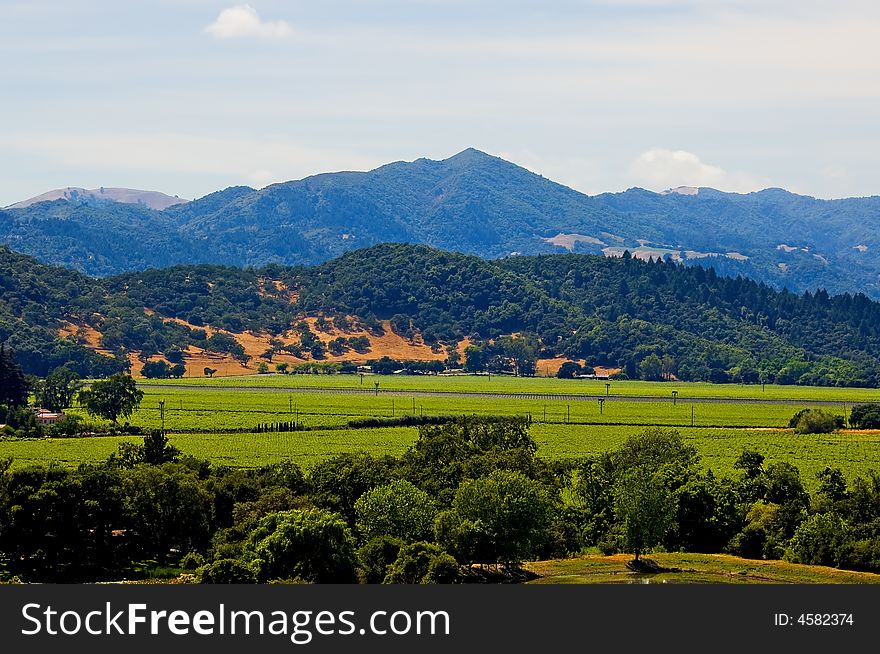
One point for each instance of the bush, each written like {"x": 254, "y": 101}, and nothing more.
{"x": 818, "y": 540}
{"x": 423, "y": 563}
{"x": 225, "y": 571}
{"x": 815, "y": 421}
{"x": 192, "y": 561}
{"x": 70, "y": 426}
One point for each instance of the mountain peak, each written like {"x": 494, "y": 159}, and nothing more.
{"x": 151, "y": 199}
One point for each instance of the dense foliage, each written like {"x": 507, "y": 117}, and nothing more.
{"x": 654, "y": 320}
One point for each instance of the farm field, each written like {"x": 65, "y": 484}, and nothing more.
{"x": 691, "y": 569}
{"x": 505, "y": 384}
{"x": 854, "y": 453}
{"x": 237, "y": 450}
{"x": 563, "y": 428}
{"x": 189, "y": 409}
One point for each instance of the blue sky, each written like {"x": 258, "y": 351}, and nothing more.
{"x": 189, "y": 96}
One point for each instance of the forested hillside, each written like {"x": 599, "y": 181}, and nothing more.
{"x": 472, "y": 203}
{"x": 614, "y": 312}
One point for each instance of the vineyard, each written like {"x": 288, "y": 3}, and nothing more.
{"x": 506, "y": 384}
{"x": 220, "y": 419}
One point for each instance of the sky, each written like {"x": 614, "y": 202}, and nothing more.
{"x": 191, "y": 96}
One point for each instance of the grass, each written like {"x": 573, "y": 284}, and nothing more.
{"x": 562, "y": 428}
{"x": 854, "y": 453}
{"x": 238, "y": 450}
{"x": 691, "y": 569}
{"x": 507, "y": 384}
{"x": 188, "y": 408}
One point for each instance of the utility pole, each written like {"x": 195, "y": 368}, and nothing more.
{"x": 674, "y": 397}
{"x": 607, "y": 389}
{"x": 162, "y": 414}
{"x": 377, "y": 389}
{"x": 601, "y": 405}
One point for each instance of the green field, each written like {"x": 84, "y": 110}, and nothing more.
{"x": 683, "y": 568}
{"x": 228, "y": 409}
{"x": 720, "y": 430}
{"x": 508, "y": 384}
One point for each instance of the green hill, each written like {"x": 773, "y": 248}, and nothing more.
{"x": 472, "y": 203}
{"x": 613, "y": 312}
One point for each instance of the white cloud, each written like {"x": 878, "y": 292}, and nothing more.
{"x": 659, "y": 169}
{"x": 243, "y": 21}
{"x": 254, "y": 161}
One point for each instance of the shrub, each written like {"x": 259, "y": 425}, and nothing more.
{"x": 815, "y": 421}
{"x": 225, "y": 571}
{"x": 192, "y": 561}
{"x": 818, "y": 540}
{"x": 423, "y": 563}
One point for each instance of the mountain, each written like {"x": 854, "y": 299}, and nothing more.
{"x": 472, "y": 203}
{"x": 151, "y": 199}
{"x": 611, "y": 312}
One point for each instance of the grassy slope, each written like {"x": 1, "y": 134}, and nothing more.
{"x": 692, "y": 568}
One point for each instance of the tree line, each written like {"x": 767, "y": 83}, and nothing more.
{"x": 619, "y": 313}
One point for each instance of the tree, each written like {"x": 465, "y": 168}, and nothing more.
{"x": 339, "y": 482}
{"x": 157, "y": 450}
{"x": 643, "y": 506}
{"x": 13, "y": 387}
{"x": 523, "y": 351}
{"x": 865, "y": 416}
{"x": 177, "y": 371}
{"x": 376, "y": 556}
{"x": 58, "y": 390}
{"x": 453, "y": 357}
{"x": 118, "y": 395}
{"x": 174, "y": 355}
{"x": 512, "y": 510}
{"x": 282, "y": 368}
{"x": 156, "y": 370}
{"x": 568, "y": 370}
{"x": 818, "y": 540}
{"x": 398, "y": 509}
{"x": 474, "y": 358}
{"x": 310, "y": 544}
{"x": 651, "y": 368}
{"x": 423, "y": 563}
{"x": 209, "y": 372}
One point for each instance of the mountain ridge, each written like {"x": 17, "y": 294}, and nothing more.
{"x": 473, "y": 203}
{"x": 152, "y": 199}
